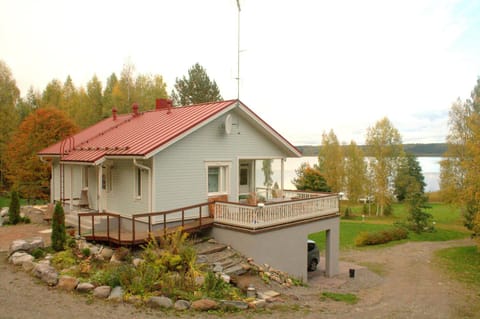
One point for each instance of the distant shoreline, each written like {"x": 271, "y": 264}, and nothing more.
{"x": 423, "y": 150}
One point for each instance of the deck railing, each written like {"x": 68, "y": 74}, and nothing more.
{"x": 303, "y": 206}
{"x": 137, "y": 228}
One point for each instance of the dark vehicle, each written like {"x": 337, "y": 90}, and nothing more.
{"x": 313, "y": 255}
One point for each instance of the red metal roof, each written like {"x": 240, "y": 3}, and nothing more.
{"x": 138, "y": 135}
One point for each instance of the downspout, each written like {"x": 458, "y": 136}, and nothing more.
{"x": 52, "y": 179}
{"x": 282, "y": 172}
{"x": 148, "y": 169}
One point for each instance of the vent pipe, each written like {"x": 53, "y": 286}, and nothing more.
{"x": 114, "y": 113}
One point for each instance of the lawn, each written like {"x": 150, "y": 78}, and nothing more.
{"x": 448, "y": 225}
{"x": 462, "y": 263}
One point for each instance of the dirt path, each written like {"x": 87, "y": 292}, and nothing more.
{"x": 410, "y": 286}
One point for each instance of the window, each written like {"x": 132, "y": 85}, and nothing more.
{"x": 218, "y": 178}
{"x": 107, "y": 179}
{"x": 85, "y": 176}
{"x": 138, "y": 182}
{"x": 243, "y": 174}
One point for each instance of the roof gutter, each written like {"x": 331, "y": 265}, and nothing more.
{"x": 150, "y": 192}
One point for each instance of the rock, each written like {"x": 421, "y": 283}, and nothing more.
{"x": 134, "y": 300}
{"x": 182, "y": 305}
{"x": 217, "y": 268}
{"x": 106, "y": 253}
{"x": 235, "y": 270}
{"x": 85, "y": 287}
{"x": 102, "y": 292}
{"x": 160, "y": 302}
{"x": 46, "y": 273}
{"x": 116, "y": 294}
{"x": 119, "y": 255}
{"x": 137, "y": 261}
{"x": 204, "y": 305}
{"x": 202, "y": 259}
{"x": 257, "y": 304}
{"x": 268, "y": 295}
{"x": 67, "y": 283}
{"x": 225, "y": 278}
{"x": 37, "y": 242}
{"x": 18, "y": 245}
{"x": 19, "y": 257}
{"x": 28, "y": 266}
{"x": 4, "y": 211}
{"x": 234, "y": 304}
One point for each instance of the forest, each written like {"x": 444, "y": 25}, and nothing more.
{"x": 420, "y": 149}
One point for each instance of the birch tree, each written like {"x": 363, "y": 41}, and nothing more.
{"x": 331, "y": 161}
{"x": 384, "y": 144}
{"x": 355, "y": 173}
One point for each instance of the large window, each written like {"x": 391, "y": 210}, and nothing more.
{"x": 218, "y": 178}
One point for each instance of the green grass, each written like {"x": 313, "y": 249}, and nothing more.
{"x": 448, "y": 225}
{"x": 5, "y": 201}
{"x": 462, "y": 263}
{"x": 347, "y": 298}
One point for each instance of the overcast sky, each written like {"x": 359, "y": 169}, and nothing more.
{"x": 306, "y": 66}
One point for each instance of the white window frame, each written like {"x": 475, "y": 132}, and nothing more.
{"x": 138, "y": 180}
{"x": 107, "y": 179}
{"x": 225, "y": 168}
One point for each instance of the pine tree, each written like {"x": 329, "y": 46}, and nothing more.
{"x": 59, "y": 236}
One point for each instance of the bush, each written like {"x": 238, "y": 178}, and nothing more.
{"x": 59, "y": 236}
{"x": 14, "y": 209}
{"x": 381, "y": 237}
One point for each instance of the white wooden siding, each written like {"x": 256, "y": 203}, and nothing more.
{"x": 180, "y": 173}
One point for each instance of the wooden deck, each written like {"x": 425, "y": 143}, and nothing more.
{"x": 126, "y": 238}
{"x": 137, "y": 229}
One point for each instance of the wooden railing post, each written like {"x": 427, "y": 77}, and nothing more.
{"x": 119, "y": 228}
{"x": 108, "y": 227}
{"x": 79, "y": 226}
{"x": 133, "y": 229}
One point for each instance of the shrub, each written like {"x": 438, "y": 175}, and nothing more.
{"x": 348, "y": 213}
{"x": 59, "y": 236}
{"x": 14, "y": 209}
{"x": 380, "y": 237}
{"x": 38, "y": 253}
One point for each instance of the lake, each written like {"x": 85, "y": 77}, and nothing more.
{"x": 430, "y": 169}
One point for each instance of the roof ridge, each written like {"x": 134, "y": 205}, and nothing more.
{"x": 111, "y": 128}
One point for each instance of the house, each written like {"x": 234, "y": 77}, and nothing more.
{"x": 129, "y": 166}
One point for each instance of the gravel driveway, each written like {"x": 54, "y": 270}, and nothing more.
{"x": 410, "y": 286}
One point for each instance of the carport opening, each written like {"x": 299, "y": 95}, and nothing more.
{"x": 316, "y": 243}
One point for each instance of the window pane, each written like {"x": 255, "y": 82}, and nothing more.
{"x": 213, "y": 179}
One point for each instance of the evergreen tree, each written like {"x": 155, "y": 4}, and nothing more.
{"x": 197, "y": 88}
{"x": 59, "y": 235}
{"x": 14, "y": 209}
{"x": 408, "y": 172}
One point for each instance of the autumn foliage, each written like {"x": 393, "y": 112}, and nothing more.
{"x": 24, "y": 169}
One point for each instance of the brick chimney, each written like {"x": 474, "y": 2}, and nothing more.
{"x": 135, "y": 109}
{"x": 163, "y": 104}
{"x": 114, "y": 113}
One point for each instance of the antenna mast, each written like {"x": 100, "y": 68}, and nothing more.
{"x": 238, "y": 50}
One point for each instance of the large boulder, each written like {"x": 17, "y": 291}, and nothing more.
{"x": 46, "y": 273}
{"x": 18, "y": 245}
{"x": 26, "y": 245}
{"x": 182, "y": 305}
{"x": 20, "y": 257}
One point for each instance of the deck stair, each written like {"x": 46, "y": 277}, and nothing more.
{"x": 222, "y": 258}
